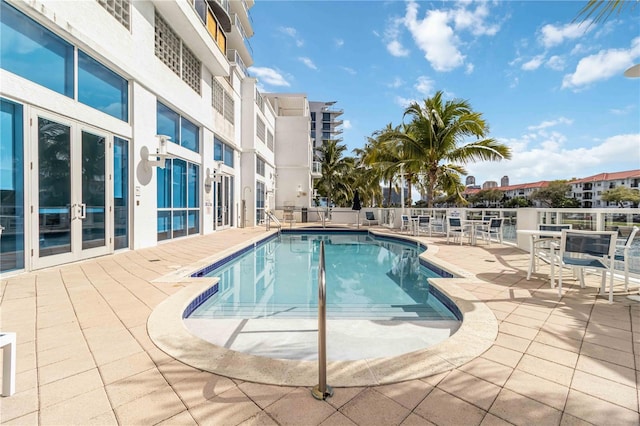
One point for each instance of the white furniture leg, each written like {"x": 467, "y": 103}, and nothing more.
{"x": 8, "y": 345}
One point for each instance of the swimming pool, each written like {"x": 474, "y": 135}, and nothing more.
{"x": 367, "y": 278}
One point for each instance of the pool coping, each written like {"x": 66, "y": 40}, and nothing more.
{"x": 476, "y": 334}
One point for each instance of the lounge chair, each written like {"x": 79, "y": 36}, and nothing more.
{"x": 369, "y": 218}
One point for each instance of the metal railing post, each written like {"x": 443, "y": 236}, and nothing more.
{"x": 322, "y": 391}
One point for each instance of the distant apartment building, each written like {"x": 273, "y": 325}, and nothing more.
{"x": 524, "y": 190}
{"x": 470, "y": 181}
{"x": 588, "y": 191}
{"x": 489, "y": 184}
{"x": 325, "y": 124}
{"x": 504, "y": 181}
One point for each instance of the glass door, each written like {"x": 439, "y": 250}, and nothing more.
{"x": 224, "y": 201}
{"x": 71, "y": 200}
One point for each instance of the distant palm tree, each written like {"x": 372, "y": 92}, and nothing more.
{"x": 335, "y": 169}
{"x": 603, "y": 9}
{"x": 433, "y": 143}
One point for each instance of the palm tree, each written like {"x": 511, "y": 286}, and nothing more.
{"x": 602, "y": 9}
{"x": 433, "y": 143}
{"x": 334, "y": 168}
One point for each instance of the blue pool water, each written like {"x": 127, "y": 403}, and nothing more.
{"x": 367, "y": 278}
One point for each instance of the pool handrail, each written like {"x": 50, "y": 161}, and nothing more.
{"x": 322, "y": 391}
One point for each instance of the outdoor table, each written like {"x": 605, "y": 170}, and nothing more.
{"x": 536, "y": 233}
{"x": 473, "y": 224}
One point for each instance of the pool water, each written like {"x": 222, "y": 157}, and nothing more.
{"x": 366, "y": 277}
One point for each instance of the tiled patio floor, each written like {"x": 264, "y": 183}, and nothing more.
{"x": 84, "y": 355}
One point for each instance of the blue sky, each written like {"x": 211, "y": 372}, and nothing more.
{"x": 550, "y": 88}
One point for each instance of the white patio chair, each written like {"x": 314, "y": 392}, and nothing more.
{"x": 424, "y": 224}
{"x": 494, "y": 228}
{"x": 369, "y": 218}
{"x": 580, "y": 250}
{"x": 622, "y": 252}
{"x": 405, "y": 224}
{"x": 456, "y": 230}
{"x": 543, "y": 246}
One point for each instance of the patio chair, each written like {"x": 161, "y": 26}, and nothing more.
{"x": 543, "y": 246}
{"x": 580, "y": 250}
{"x": 424, "y": 224}
{"x": 370, "y": 219}
{"x": 405, "y": 224}
{"x": 455, "y": 229}
{"x": 493, "y": 228}
{"x": 622, "y": 252}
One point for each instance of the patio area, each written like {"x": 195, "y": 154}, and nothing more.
{"x": 84, "y": 355}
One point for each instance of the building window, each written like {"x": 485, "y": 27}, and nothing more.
{"x": 35, "y": 53}
{"x": 101, "y": 88}
{"x": 260, "y": 204}
{"x": 119, "y": 9}
{"x": 260, "y": 166}
{"x": 269, "y": 140}
{"x": 174, "y": 54}
{"x": 121, "y": 192}
{"x": 178, "y": 199}
{"x": 179, "y": 129}
{"x": 326, "y": 116}
{"x": 313, "y": 117}
{"x": 223, "y": 152}
{"x": 260, "y": 129}
{"x": 259, "y": 101}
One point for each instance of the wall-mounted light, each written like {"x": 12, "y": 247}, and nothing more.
{"x": 213, "y": 175}
{"x": 158, "y": 159}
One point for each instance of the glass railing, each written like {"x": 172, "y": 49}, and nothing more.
{"x": 234, "y": 57}
{"x": 316, "y": 168}
{"x": 245, "y": 39}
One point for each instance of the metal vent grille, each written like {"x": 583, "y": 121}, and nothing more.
{"x": 167, "y": 45}
{"x": 270, "y": 140}
{"x": 119, "y": 9}
{"x": 260, "y": 129}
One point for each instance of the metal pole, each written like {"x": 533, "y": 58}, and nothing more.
{"x": 322, "y": 391}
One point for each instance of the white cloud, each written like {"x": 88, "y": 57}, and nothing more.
{"x": 602, "y": 65}
{"x": 308, "y": 62}
{"x": 404, "y": 102}
{"x": 469, "y": 68}
{"x": 349, "y": 70}
{"x": 551, "y": 123}
{"x": 391, "y": 38}
{"x": 269, "y": 76}
{"x": 579, "y": 49}
{"x": 556, "y": 63}
{"x": 552, "y": 35}
{"x": 548, "y": 160}
{"x": 346, "y": 124}
{"x": 533, "y": 64}
{"x": 293, "y": 33}
{"x": 424, "y": 85}
{"x": 397, "y": 82}
{"x": 434, "y": 37}
{"x": 622, "y": 111}
{"x": 339, "y": 42}
{"x": 474, "y": 20}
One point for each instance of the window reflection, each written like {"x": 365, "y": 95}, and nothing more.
{"x": 101, "y": 88}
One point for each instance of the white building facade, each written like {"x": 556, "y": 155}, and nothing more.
{"x": 126, "y": 124}
{"x": 588, "y": 191}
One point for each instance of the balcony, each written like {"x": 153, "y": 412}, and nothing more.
{"x": 241, "y": 8}
{"x": 331, "y": 111}
{"x": 239, "y": 41}
{"x": 234, "y": 58}
{"x": 220, "y": 9}
{"x": 316, "y": 169}
{"x": 587, "y": 187}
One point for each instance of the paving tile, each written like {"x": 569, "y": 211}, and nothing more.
{"x": 525, "y": 321}
{"x": 408, "y": 394}
{"x": 512, "y": 342}
{"x": 491, "y": 420}
{"x": 30, "y": 419}
{"x": 607, "y": 370}
{"x": 569, "y": 420}
{"x": 435, "y": 379}
{"x": 77, "y": 410}
{"x": 625, "y": 359}
{"x": 175, "y": 371}
{"x": 337, "y": 419}
{"x": 502, "y": 355}
{"x": 605, "y": 389}
{"x": 444, "y": 409}
{"x": 229, "y": 408}
{"x": 151, "y": 408}
{"x": 553, "y": 354}
{"x": 69, "y": 387}
{"x": 538, "y": 389}
{"x": 202, "y": 387}
{"x": 66, "y": 368}
{"x": 181, "y": 419}
{"x": 20, "y": 404}
{"x": 518, "y": 330}
{"x": 559, "y": 341}
{"x": 264, "y": 395}
{"x": 488, "y": 370}
{"x": 133, "y": 387}
{"x": 598, "y": 411}
{"x": 520, "y": 410}
{"x": 415, "y": 420}
{"x": 546, "y": 369}
{"x": 126, "y": 367}
{"x": 260, "y": 419}
{"x": 470, "y": 388}
{"x": 370, "y": 404}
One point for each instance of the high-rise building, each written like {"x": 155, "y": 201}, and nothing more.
{"x": 146, "y": 127}
{"x": 325, "y": 124}
{"x": 471, "y": 180}
{"x": 504, "y": 181}
{"x": 489, "y": 184}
